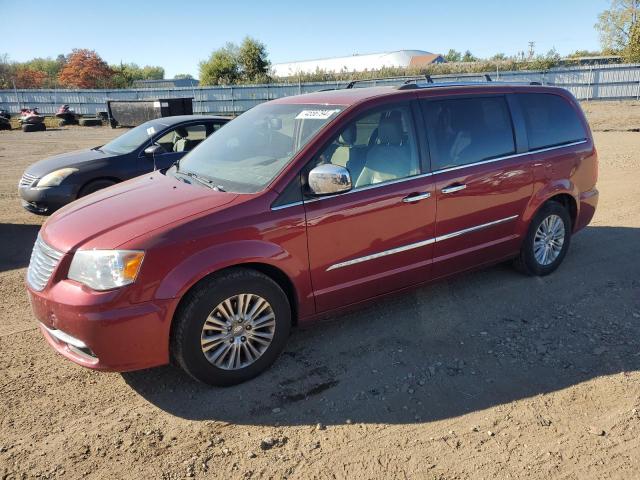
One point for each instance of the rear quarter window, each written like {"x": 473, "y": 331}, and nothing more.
{"x": 550, "y": 120}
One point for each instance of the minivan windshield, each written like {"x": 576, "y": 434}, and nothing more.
{"x": 248, "y": 152}
{"x": 129, "y": 141}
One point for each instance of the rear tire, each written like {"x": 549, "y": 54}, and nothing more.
{"x": 204, "y": 340}
{"x": 33, "y": 127}
{"x": 94, "y": 186}
{"x": 547, "y": 240}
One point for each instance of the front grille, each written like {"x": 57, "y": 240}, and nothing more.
{"x": 44, "y": 261}
{"x": 27, "y": 180}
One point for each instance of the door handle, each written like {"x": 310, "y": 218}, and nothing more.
{"x": 416, "y": 197}
{"x": 456, "y": 187}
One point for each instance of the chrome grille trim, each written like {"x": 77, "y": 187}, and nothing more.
{"x": 27, "y": 180}
{"x": 44, "y": 260}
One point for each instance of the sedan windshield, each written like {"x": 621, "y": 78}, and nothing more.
{"x": 246, "y": 154}
{"x": 134, "y": 138}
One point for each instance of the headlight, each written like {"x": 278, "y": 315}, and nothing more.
{"x": 105, "y": 269}
{"x": 54, "y": 179}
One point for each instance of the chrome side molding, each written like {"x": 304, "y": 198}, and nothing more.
{"x": 422, "y": 243}
{"x": 373, "y": 256}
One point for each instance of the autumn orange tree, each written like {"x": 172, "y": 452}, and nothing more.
{"x": 85, "y": 69}
{"x": 29, "y": 78}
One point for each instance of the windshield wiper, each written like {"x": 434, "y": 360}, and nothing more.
{"x": 202, "y": 180}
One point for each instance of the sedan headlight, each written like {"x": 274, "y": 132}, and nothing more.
{"x": 54, "y": 179}
{"x": 105, "y": 269}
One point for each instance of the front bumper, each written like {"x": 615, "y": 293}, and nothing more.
{"x": 100, "y": 331}
{"x": 44, "y": 201}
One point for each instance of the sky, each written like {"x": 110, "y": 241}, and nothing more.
{"x": 177, "y": 35}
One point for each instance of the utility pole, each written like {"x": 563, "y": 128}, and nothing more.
{"x": 532, "y": 49}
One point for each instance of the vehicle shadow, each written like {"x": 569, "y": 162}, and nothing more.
{"x": 17, "y": 241}
{"x": 466, "y": 344}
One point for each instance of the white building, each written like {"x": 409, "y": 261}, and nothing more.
{"x": 358, "y": 63}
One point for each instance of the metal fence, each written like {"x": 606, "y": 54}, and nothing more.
{"x": 597, "y": 82}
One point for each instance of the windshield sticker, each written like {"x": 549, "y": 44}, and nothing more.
{"x": 315, "y": 114}
{"x": 151, "y": 131}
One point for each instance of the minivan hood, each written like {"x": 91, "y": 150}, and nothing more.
{"x": 70, "y": 159}
{"x": 118, "y": 214}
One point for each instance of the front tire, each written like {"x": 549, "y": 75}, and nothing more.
{"x": 94, "y": 186}
{"x": 230, "y": 327}
{"x": 547, "y": 240}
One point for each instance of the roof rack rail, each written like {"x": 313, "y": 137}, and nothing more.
{"x": 413, "y": 81}
{"x": 352, "y": 83}
{"x": 410, "y": 85}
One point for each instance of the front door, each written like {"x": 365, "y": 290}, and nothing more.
{"x": 482, "y": 183}
{"x": 378, "y": 237}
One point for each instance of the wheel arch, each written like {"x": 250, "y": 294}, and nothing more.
{"x": 568, "y": 202}
{"x": 96, "y": 179}
{"x": 564, "y": 192}
{"x": 274, "y": 273}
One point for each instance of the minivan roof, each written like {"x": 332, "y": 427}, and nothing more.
{"x": 351, "y": 96}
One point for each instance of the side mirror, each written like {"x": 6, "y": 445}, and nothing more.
{"x": 328, "y": 179}
{"x": 153, "y": 150}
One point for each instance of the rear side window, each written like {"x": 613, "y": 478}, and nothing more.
{"x": 468, "y": 130}
{"x": 550, "y": 120}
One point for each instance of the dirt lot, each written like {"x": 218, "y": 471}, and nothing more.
{"x": 489, "y": 375}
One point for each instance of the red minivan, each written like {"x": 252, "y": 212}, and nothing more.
{"x": 303, "y": 206}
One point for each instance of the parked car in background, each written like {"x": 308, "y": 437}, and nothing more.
{"x": 51, "y": 183}
{"x": 306, "y": 205}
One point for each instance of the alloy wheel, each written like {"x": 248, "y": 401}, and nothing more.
{"x": 548, "y": 240}
{"x": 238, "y": 331}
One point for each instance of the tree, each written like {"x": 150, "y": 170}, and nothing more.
{"x": 631, "y": 53}
{"x": 29, "y": 78}
{"x": 584, "y": 53}
{"x": 469, "y": 57}
{"x": 149, "y": 72}
{"x": 499, "y": 57}
{"x": 50, "y": 67}
{"x": 616, "y": 24}
{"x": 126, "y": 73}
{"x": 222, "y": 66}
{"x": 6, "y": 71}
{"x": 253, "y": 61}
{"x": 453, "y": 56}
{"x": 85, "y": 69}
{"x": 185, "y": 76}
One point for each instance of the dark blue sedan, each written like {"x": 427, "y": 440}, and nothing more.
{"x": 155, "y": 145}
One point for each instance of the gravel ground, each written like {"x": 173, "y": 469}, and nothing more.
{"x": 488, "y": 375}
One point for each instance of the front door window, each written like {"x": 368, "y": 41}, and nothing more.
{"x": 376, "y": 148}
